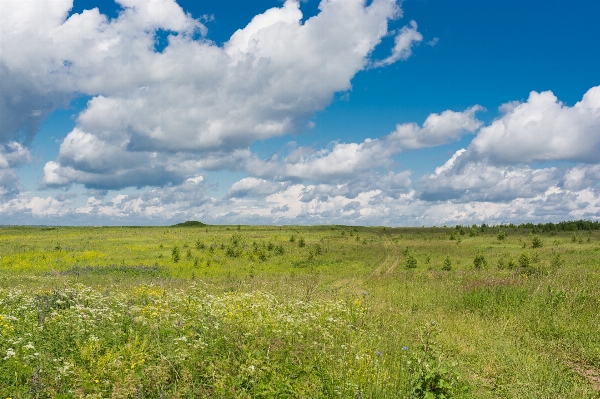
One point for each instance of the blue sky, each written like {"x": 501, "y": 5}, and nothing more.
{"x": 271, "y": 112}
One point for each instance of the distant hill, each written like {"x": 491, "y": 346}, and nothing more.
{"x": 189, "y": 223}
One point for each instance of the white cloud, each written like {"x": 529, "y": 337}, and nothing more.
{"x": 253, "y": 187}
{"x": 339, "y": 163}
{"x": 355, "y": 164}
{"x": 581, "y": 177}
{"x": 479, "y": 181}
{"x": 47, "y": 59}
{"x": 403, "y": 43}
{"x": 437, "y": 129}
{"x": 192, "y": 99}
{"x": 298, "y": 204}
{"x": 433, "y": 41}
{"x": 463, "y": 180}
{"x": 12, "y": 155}
{"x": 494, "y": 166}
{"x": 542, "y": 129}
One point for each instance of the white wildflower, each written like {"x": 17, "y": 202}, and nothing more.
{"x": 10, "y": 352}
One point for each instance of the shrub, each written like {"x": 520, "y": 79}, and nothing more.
{"x": 261, "y": 254}
{"x": 233, "y": 252}
{"x": 524, "y": 259}
{"x": 447, "y": 265}
{"x": 236, "y": 239}
{"x": 432, "y": 377}
{"x": 536, "y": 242}
{"x": 502, "y": 264}
{"x": 410, "y": 261}
{"x": 301, "y": 242}
{"x": 557, "y": 261}
{"x": 479, "y": 261}
{"x": 175, "y": 254}
{"x": 279, "y": 250}
{"x": 200, "y": 245}
{"x": 318, "y": 249}
{"x": 501, "y": 235}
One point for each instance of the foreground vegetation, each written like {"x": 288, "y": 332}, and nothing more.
{"x": 300, "y": 312}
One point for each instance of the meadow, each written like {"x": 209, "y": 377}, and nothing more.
{"x": 300, "y": 312}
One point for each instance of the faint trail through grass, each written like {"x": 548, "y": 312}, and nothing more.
{"x": 391, "y": 259}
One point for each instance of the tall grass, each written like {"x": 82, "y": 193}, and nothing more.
{"x": 247, "y": 312}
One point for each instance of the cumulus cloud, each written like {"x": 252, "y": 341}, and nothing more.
{"x": 463, "y": 180}
{"x": 194, "y": 98}
{"x": 542, "y": 129}
{"x": 340, "y": 163}
{"x": 495, "y": 165}
{"x": 47, "y": 59}
{"x": 253, "y": 187}
{"x": 480, "y": 181}
{"x": 12, "y": 155}
{"x": 437, "y": 129}
{"x": 581, "y": 177}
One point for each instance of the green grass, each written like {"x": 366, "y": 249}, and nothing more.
{"x": 298, "y": 312}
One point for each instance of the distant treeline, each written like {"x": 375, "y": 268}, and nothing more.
{"x": 190, "y": 223}
{"x": 572, "y": 225}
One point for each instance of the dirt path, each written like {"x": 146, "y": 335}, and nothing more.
{"x": 589, "y": 373}
{"x": 391, "y": 260}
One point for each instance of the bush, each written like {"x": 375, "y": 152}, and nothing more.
{"x": 501, "y": 235}
{"x": 236, "y": 239}
{"x": 479, "y": 261}
{"x": 318, "y": 249}
{"x": 301, "y": 242}
{"x": 233, "y": 252}
{"x": 175, "y": 254}
{"x": 557, "y": 261}
{"x": 502, "y": 263}
{"x": 447, "y": 266}
{"x": 524, "y": 259}
{"x": 432, "y": 377}
{"x": 410, "y": 261}
{"x": 536, "y": 242}
{"x": 279, "y": 250}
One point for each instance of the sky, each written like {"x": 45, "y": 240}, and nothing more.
{"x": 354, "y": 112}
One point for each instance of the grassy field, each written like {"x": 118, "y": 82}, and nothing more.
{"x": 299, "y": 312}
